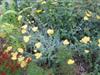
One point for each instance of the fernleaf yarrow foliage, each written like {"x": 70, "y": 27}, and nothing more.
{"x": 52, "y": 34}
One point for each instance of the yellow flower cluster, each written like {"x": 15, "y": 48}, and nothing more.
{"x": 66, "y": 42}
{"x": 38, "y": 55}
{"x": 9, "y": 48}
{"x": 20, "y": 50}
{"x": 99, "y": 42}
{"x": 22, "y": 61}
{"x": 38, "y": 11}
{"x": 26, "y": 38}
{"x": 85, "y": 39}
{"x": 38, "y": 45}
{"x": 14, "y": 55}
{"x": 50, "y": 32}
{"x": 24, "y": 29}
{"x": 88, "y": 14}
{"x": 70, "y": 61}
{"x": 98, "y": 17}
{"x": 43, "y": 2}
{"x": 35, "y": 29}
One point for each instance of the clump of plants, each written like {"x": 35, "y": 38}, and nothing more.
{"x": 54, "y": 34}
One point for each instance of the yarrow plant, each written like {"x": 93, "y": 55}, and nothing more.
{"x": 53, "y": 34}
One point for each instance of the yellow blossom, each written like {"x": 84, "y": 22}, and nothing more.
{"x": 99, "y": 45}
{"x": 14, "y": 58}
{"x": 85, "y": 39}
{"x": 35, "y": 29}
{"x": 70, "y": 61}
{"x": 43, "y": 2}
{"x": 9, "y": 48}
{"x": 20, "y": 50}
{"x": 23, "y": 64}
{"x": 86, "y": 51}
{"x": 21, "y": 58}
{"x": 38, "y": 45}
{"x": 88, "y": 13}
{"x": 23, "y": 31}
{"x": 37, "y": 55}
{"x": 86, "y": 18}
{"x": 38, "y": 11}
{"x": 65, "y": 42}
{"x": 50, "y": 32}
{"x": 98, "y": 17}
{"x": 99, "y": 40}
{"x": 24, "y": 27}
{"x": 19, "y": 17}
{"x": 14, "y": 55}
{"x": 26, "y": 38}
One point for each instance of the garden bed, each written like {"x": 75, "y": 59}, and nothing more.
{"x": 50, "y": 37}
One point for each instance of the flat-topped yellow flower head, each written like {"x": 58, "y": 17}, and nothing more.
{"x": 37, "y": 55}
{"x": 38, "y": 44}
{"x": 26, "y": 38}
{"x": 20, "y": 50}
{"x": 38, "y": 11}
{"x": 99, "y": 45}
{"x": 70, "y": 61}
{"x": 98, "y": 17}
{"x": 43, "y": 2}
{"x": 85, "y": 39}
{"x": 23, "y": 31}
{"x": 14, "y": 55}
{"x": 9, "y": 48}
{"x": 21, "y": 58}
{"x": 35, "y": 29}
{"x": 24, "y": 27}
{"x": 65, "y": 42}
{"x": 88, "y": 13}
{"x": 98, "y": 40}
{"x": 86, "y": 18}
{"x": 23, "y": 64}
{"x": 50, "y": 32}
